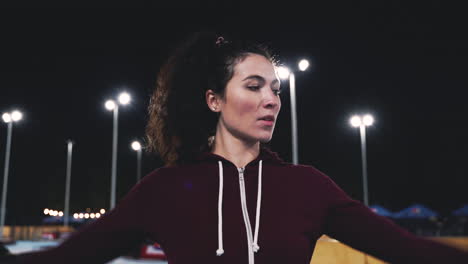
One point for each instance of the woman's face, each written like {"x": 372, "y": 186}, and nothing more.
{"x": 251, "y": 103}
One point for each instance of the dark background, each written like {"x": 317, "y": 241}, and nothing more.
{"x": 403, "y": 63}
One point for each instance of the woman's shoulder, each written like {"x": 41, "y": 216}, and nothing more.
{"x": 162, "y": 172}
{"x": 173, "y": 171}
{"x": 305, "y": 171}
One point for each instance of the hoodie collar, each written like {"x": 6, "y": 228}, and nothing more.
{"x": 265, "y": 154}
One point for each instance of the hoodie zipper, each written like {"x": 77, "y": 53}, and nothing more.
{"x": 245, "y": 213}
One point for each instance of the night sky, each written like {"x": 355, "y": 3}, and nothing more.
{"x": 405, "y": 64}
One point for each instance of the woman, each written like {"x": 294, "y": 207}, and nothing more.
{"x": 223, "y": 197}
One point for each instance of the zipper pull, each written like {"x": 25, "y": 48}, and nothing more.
{"x": 241, "y": 173}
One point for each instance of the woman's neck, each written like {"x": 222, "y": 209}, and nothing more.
{"x": 235, "y": 150}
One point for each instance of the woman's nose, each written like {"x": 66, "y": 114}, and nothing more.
{"x": 271, "y": 100}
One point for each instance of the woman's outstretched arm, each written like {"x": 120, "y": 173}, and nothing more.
{"x": 114, "y": 234}
{"x": 354, "y": 224}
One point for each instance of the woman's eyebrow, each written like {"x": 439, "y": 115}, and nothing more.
{"x": 255, "y": 77}
{"x": 260, "y": 79}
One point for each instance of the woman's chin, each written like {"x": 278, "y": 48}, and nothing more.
{"x": 265, "y": 139}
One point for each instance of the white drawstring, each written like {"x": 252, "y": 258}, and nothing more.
{"x": 257, "y": 215}
{"x": 255, "y": 246}
{"x": 220, "y": 250}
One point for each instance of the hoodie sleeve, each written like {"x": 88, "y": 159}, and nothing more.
{"x": 114, "y": 234}
{"x": 354, "y": 224}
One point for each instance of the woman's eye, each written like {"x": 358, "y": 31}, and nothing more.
{"x": 253, "y": 87}
{"x": 277, "y": 92}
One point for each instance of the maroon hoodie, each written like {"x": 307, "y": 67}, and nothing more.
{"x": 207, "y": 212}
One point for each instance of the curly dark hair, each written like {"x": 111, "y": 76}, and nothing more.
{"x": 180, "y": 123}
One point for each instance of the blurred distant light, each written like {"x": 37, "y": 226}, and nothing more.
{"x": 6, "y": 117}
{"x": 16, "y": 115}
{"x": 136, "y": 145}
{"x": 110, "y": 105}
{"x": 60, "y": 213}
{"x": 283, "y": 72}
{"x": 98, "y": 215}
{"x": 355, "y": 121}
{"x": 102, "y": 211}
{"x": 92, "y": 215}
{"x": 75, "y": 215}
{"x": 124, "y": 98}
{"x": 86, "y": 215}
{"x": 81, "y": 215}
{"x": 303, "y": 65}
{"x": 368, "y": 120}
{"x": 46, "y": 211}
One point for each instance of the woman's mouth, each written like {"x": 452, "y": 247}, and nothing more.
{"x": 267, "y": 120}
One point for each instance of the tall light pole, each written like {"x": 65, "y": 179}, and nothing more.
{"x": 67, "y": 184}
{"x": 123, "y": 99}
{"x": 137, "y": 147}
{"x": 362, "y": 122}
{"x": 8, "y": 118}
{"x": 285, "y": 73}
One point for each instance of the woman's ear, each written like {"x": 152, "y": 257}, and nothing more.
{"x": 212, "y": 100}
